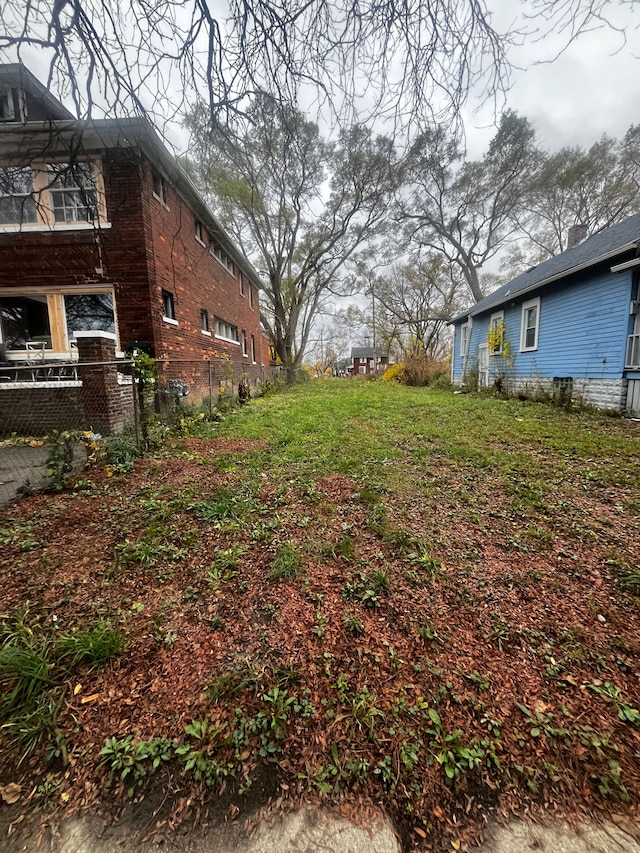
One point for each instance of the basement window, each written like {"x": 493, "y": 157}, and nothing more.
{"x": 204, "y": 322}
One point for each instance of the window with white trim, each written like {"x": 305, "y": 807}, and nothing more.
{"x": 168, "y": 306}
{"x": 204, "y": 321}
{"x": 251, "y": 296}
{"x": 253, "y": 349}
{"x": 72, "y": 191}
{"x": 159, "y": 186}
{"x": 529, "y": 325}
{"x": 200, "y": 234}
{"x": 244, "y": 343}
{"x": 227, "y": 331}
{"x": 52, "y": 194}
{"x": 496, "y": 329}
{"x": 464, "y": 339}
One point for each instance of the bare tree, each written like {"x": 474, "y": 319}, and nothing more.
{"x": 413, "y": 304}
{"x": 299, "y": 206}
{"x": 596, "y": 188}
{"x": 465, "y": 211}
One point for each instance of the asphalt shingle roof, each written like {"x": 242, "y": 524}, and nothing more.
{"x": 365, "y": 352}
{"x": 609, "y": 243}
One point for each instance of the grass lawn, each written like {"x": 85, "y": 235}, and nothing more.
{"x": 350, "y": 591}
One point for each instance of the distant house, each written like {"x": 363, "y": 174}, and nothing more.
{"x": 366, "y": 360}
{"x": 100, "y": 229}
{"x": 570, "y": 326}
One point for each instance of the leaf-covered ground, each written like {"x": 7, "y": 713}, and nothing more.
{"x": 350, "y": 592}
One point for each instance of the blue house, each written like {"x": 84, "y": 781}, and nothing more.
{"x": 569, "y": 326}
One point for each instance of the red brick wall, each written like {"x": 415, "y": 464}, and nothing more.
{"x": 197, "y": 280}
{"x": 147, "y": 248}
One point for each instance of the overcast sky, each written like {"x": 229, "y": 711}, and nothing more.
{"x": 591, "y": 89}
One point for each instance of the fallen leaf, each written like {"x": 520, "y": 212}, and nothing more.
{"x": 10, "y": 793}
{"x": 455, "y": 845}
{"x": 77, "y": 689}
{"x": 86, "y": 699}
{"x": 420, "y": 832}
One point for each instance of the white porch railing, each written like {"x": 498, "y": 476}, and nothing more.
{"x": 633, "y": 352}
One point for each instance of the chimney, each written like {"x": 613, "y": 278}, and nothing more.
{"x": 576, "y": 234}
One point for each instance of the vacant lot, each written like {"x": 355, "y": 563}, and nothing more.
{"x": 350, "y": 591}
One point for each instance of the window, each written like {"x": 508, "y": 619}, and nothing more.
{"x": 244, "y": 343}
{"x": 251, "y": 297}
{"x": 496, "y": 333}
{"x": 17, "y": 200}
{"x": 224, "y": 259}
{"x": 362, "y": 368}
{"x": 464, "y": 339}
{"x": 241, "y": 277}
{"x": 529, "y": 325}
{"x": 204, "y": 321}
{"x": 159, "y": 188}
{"x": 168, "y": 306}
{"x": 24, "y": 318}
{"x": 72, "y": 191}
{"x": 89, "y": 312}
{"x": 51, "y": 318}
{"x": 253, "y": 349}
{"x": 200, "y": 233}
{"x": 7, "y": 108}
{"x": 226, "y": 330}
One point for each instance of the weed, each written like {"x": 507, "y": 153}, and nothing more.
{"x": 481, "y": 681}
{"x": 95, "y": 647}
{"x": 626, "y": 712}
{"x": 367, "y": 588}
{"x": 362, "y": 711}
{"x": 500, "y": 631}
{"x": 225, "y": 565}
{"x": 426, "y": 631}
{"x": 231, "y": 682}
{"x": 287, "y": 563}
{"x": 321, "y": 621}
{"x": 426, "y": 569}
{"x": 353, "y": 623}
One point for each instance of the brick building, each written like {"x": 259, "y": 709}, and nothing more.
{"x": 100, "y": 229}
{"x": 367, "y": 360}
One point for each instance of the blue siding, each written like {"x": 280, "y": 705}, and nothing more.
{"x": 584, "y": 323}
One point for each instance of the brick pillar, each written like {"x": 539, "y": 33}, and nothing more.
{"x": 98, "y": 371}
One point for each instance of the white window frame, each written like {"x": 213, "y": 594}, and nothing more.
{"x": 167, "y": 318}
{"x": 226, "y": 331}
{"x": 44, "y": 192}
{"x": 496, "y": 317}
{"x": 531, "y": 303}
{"x": 245, "y": 348}
{"x": 465, "y": 335}
{"x": 199, "y": 232}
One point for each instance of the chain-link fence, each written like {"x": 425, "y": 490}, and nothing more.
{"x": 53, "y": 414}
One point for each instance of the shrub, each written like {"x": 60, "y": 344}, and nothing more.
{"x": 394, "y": 373}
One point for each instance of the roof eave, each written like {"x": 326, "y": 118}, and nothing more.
{"x": 549, "y": 280}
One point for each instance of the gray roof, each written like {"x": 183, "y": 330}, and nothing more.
{"x": 366, "y": 352}
{"x": 608, "y": 244}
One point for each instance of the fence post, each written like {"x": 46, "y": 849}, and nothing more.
{"x": 210, "y": 390}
